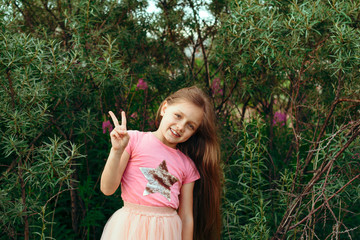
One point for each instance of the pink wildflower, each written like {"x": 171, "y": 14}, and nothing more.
{"x": 142, "y": 84}
{"x": 216, "y": 87}
{"x": 279, "y": 118}
{"x": 134, "y": 115}
{"x": 107, "y": 125}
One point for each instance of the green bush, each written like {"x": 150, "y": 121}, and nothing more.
{"x": 246, "y": 206}
{"x": 291, "y": 167}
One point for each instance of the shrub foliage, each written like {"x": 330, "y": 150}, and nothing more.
{"x": 283, "y": 77}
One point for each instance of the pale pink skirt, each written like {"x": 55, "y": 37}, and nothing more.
{"x": 139, "y": 222}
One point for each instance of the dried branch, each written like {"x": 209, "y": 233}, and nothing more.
{"x": 325, "y": 203}
{"x": 221, "y": 105}
{"x": 289, "y": 215}
{"x": 205, "y": 57}
{"x": 322, "y": 131}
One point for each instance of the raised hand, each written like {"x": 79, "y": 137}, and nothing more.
{"x": 119, "y": 136}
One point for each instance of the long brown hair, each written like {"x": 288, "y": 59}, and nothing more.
{"x": 203, "y": 148}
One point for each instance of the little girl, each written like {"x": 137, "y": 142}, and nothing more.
{"x": 171, "y": 178}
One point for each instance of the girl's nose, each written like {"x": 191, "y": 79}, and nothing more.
{"x": 181, "y": 126}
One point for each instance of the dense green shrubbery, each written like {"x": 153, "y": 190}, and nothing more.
{"x": 284, "y": 78}
{"x": 62, "y": 69}
{"x": 300, "y": 60}
{"x": 246, "y": 202}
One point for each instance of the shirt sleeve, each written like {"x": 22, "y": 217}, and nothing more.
{"x": 132, "y": 141}
{"x": 192, "y": 172}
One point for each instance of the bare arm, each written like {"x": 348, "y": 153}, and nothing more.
{"x": 186, "y": 211}
{"x": 118, "y": 157}
{"x": 113, "y": 171}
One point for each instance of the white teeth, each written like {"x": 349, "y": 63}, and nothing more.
{"x": 174, "y": 133}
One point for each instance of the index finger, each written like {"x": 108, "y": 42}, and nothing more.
{"x": 114, "y": 119}
{"x": 123, "y": 119}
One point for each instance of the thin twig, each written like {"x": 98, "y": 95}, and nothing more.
{"x": 318, "y": 208}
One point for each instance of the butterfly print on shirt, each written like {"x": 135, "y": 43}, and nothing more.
{"x": 159, "y": 180}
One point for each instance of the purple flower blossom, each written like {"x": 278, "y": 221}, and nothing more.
{"x": 107, "y": 125}
{"x": 216, "y": 87}
{"x": 279, "y": 119}
{"x": 134, "y": 115}
{"x": 142, "y": 84}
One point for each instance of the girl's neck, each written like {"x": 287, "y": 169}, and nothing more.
{"x": 159, "y": 136}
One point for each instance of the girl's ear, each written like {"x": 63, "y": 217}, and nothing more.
{"x": 163, "y": 108}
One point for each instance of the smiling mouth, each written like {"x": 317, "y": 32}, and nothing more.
{"x": 175, "y": 133}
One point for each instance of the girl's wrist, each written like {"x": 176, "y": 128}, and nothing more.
{"x": 119, "y": 150}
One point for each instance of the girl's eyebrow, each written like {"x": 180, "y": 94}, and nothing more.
{"x": 190, "y": 120}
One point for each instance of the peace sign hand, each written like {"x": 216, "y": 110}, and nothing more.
{"x": 119, "y": 136}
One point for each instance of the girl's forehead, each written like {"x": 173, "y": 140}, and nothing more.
{"x": 185, "y": 104}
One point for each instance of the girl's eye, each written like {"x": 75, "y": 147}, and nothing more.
{"x": 191, "y": 127}
{"x": 177, "y": 115}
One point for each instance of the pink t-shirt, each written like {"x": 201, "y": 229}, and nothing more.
{"x": 155, "y": 172}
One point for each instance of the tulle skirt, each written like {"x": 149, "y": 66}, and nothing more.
{"x": 139, "y": 222}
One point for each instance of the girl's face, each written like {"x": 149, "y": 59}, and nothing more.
{"x": 179, "y": 122}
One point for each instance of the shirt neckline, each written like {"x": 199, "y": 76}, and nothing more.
{"x": 163, "y": 144}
